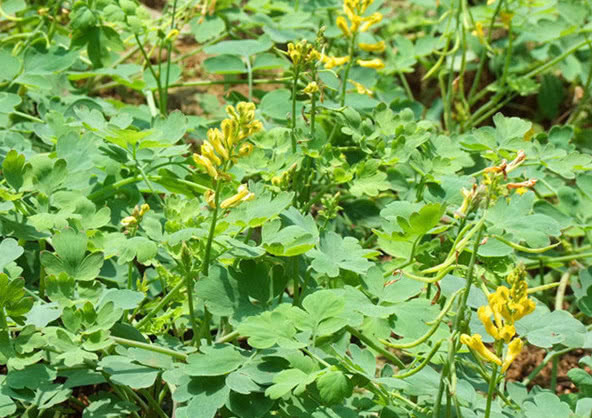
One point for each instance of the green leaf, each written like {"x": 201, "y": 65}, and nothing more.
{"x": 336, "y": 252}
{"x": 334, "y": 387}
{"x": 9, "y": 251}
{"x": 369, "y": 179}
{"x": 31, "y": 377}
{"x": 260, "y": 210}
{"x": 8, "y": 101}
{"x": 137, "y": 247}
{"x": 124, "y": 371}
{"x": 548, "y": 329}
{"x": 278, "y": 105}
{"x": 242, "y": 47}
{"x": 214, "y": 361}
{"x": 225, "y": 64}
{"x": 546, "y": 405}
{"x": 209, "y": 28}
{"x": 10, "y": 66}
{"x": 269, "y": 329}
{"x": 12, "y": 297}
{"x": 13, "y": 168}
{"x": 550, "y": 96}
{"x": 515, "y": 219}
{"x": 225, "y": 295}
{"x": 287, "y": 380}
{"x": 205, "y": 395}
{"x": 70, "y": 248}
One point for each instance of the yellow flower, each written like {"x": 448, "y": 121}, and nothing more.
{"x": 205, "y": 162}
{"x": 129, "y": 220}
{"x": 342, "y": 24}
{"x": 376, "y": 47}
{"x": 476, "y": 344}
{"x": 360, "y": 88}
{"x": 332, "y": 62}
{"x": 144, "y": 208}
{"x": 207, "y": 150}
{"x": 376, "y": 63}
{"x": 243, "y": 194}
{"x": 245, "y": 149}
{"x": 210, "y": 198}
{"x": 490, "y": 2}
{"x": 311, "y": 88}
{"x": 373, "y": 19}
{"x": 514, "y": 349}
{"x": 217, "y": 141}
{"x": 478, "y": 32}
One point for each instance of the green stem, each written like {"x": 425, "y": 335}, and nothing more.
{"x": 189, "y": 285}
{"x": 156, "y": 78}
{"x": 206, "y": 260}
{"x": 152, "y": 402}
{"x": 543, "y": 363}
{"x": 352, "y": 46}
{"x": 165, "y": 91}
{"x": 539, "y": 69}
{"x": 551, "y": 260}
{"x": 163, "y": 302}
{"x": 370, "y": 343}
{"x": 484, "y": 54}
{"x": 150, "y": 347}
{"x": 293, "y": 120}
{"x": 41, "y": 271}
{"x": 459, "y": 319}
{"x": 492, "y": 381}
{"x": 4, "y": 334}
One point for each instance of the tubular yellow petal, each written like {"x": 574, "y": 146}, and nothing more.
{"x": 476, "y": 344}
{"x": 144, "y": 208}
{"x": 484, "y": 313}
{"x": 376, "y": 47}
{"x": 342, "y": 24}
{"x": 373, "y": 19}
{"x": 245, "y": 149}
{"x": 228, "y": 131}
{"x": 376, "y": 63}
{"x": 514, "y": 349}
{"x": 242, "y": 193}
{"x": 507, "y": 333}
{"x": 129, "y": 220}
{"x": 360, "y": 88}
{"x": 205, "y": 162}
{"x": 210, "y": 198}
{"x": 207, "y": 149}
{"x": 331, "y": 62}
{"x": 215, "y": 138}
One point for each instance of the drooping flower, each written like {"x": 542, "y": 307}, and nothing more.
{"x": 243, "y": 194}
{"x": 375, "y": 63}
{"x": 506, "y": 306}
{"x": 375, "y": 47}
{"x": 476, "y": 344}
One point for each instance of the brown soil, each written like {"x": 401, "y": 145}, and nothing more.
{"x": 531, "y": 357}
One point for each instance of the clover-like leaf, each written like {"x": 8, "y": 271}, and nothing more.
{"x": 124, "y": 371}
{"x": 336, "y": 252}
{"x": 334, "y": 386}
{"x": 214, "y": 361}
{"x": 70, "y": 257}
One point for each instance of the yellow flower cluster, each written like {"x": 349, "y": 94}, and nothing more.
{"x": 223, "y": 147}
{"x": 303, "y": 52}
{"x": 354, "y": 9}
{"x": 506, "y": 306}
{"x": 136, "y": 216}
